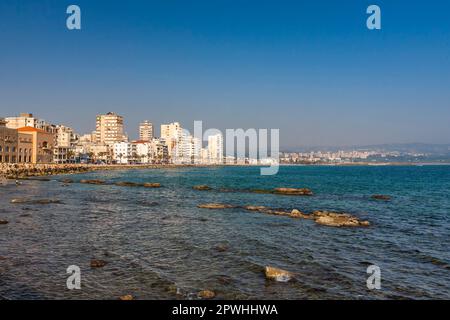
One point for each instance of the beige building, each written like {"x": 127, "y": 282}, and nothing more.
{"x": 109, "y": 129}
{"x": 146, "y": 131}
{"x": 28, "y": 120}
{"x": 42, "y": 144}
{"x": 8, "y": 143}
{"x": 65, "y": 142}
{"x": 172, "y": 135}
{"x": 25, "y": 148}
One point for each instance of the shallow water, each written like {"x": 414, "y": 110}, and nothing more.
{"x": 155, "y": 240}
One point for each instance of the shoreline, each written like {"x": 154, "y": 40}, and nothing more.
{"x": 23, "y": 171}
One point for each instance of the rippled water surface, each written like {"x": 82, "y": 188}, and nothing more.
{"x": 159, "y": 245}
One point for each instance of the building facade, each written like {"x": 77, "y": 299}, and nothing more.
{"x": 8, "y": 143}
{"x": 109, "y": 129}
{"x": 171, "y": 134}
{"x": 215, "y": 149}
{"x": 146, "y": 131}
{"x": 28, "y": 120}
{"x": 42, "y": 143}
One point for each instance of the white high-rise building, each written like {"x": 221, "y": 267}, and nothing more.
{"x": 146, "y": 131}
{"x": 215, "y": 148}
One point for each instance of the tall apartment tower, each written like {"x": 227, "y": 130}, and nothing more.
{"x": 146, "y": 131}
{"x": 109, "y": 129}
{"x": 215, "y": 148}
{"x": 171, "y": 134}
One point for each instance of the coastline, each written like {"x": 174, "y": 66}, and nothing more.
{"x": 23, "y": 171}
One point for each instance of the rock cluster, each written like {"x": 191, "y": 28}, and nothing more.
{"x": 202, "y": 187}
{"x": 277, "y": 274}
{"x": 24, "y": 170}
{"x": 280, "y": 191}
{"x": 97, "y": 263}
{"x": 381, "y": 197}
{"x": 206, "y": 294}
{"x": 332, "y": 219}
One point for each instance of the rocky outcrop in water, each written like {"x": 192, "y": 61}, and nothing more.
{"x": 127, "y": 184}
{"x": 334, "y": 219}
{"x": 202, "y": 187}
{"x": 381, "y": 197}
{"x": 93, "y": 181}
{"x": 277, "y": 274}
{"x": 95, "y": 263}
{"x": 293, "y": 191}
{"x": 215, "y": 206}
{"x": 4, "y": 221}
{"x": 152, "y": 185}
{"x": 206, "y": 294}
{"x": 34, "y": 201}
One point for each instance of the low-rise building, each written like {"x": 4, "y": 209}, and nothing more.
{"x": 42, "y": 144}
{"x": 8, "y": 143}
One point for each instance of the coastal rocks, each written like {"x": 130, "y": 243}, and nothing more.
{"x": 222, "y": 247}
{"x": 126, "y": 297}
{"x": 215, "y": 206}
{"x": 334, "y": 219}
{"x": 4, "y": 221}
{"x": 206, "y": 294}
{"x": 293, "y": 191}
{"x": 202, "y": 187}
{"x": 152, "y": 185}
{"x": 256, "y": 208}
{"x": 65, "y": 181}
{"x": 381, "y": 197}
{"x": 277, "y": 274}
{"x": 95, "y": 263}
{"x": 93, "y": 181}
{"x": 127, "y": 184}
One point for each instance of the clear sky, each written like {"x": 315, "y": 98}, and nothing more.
{"x": 310, "y": 68}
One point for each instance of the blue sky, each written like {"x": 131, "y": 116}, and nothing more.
{"x": 310, "y": 68}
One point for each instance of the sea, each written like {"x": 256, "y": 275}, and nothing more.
{"x": 158, "y": 245}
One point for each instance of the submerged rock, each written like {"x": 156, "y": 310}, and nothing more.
{"x": 222, "y": 247}
{"x": 215, "y": 206}
{"x": 334, "y": 219}
{"x": 67, "y": 181}
{"x": 293, "y": 191}
{"x": 277, "y": 274}
{"x": 126, "y": 297}
{"x": 256, "y": 208}
{"x": 202, "y": 187}
{"x": 4, "y": 221}
{"x": 298, "y": 214}
{"x": 151, "y": 185}
{"x": 381, "y": 197}
{"x": 93, "y": 181}
{"x": 95, "y": 263}
{"x": 34, "y": 201}
{"x": 127, "y": 184}
{"x": 206, "y": 294}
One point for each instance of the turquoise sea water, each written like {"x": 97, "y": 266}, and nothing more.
{"x": 159, "y": 245}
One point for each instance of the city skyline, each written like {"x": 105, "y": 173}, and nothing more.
{"x": 312, "y": 70}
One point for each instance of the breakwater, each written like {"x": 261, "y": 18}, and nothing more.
{"x": 22, "y": 171}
